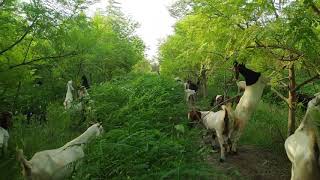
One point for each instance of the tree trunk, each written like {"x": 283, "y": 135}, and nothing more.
{"x": 204, "y": 85}
{"x": 203, "y": 81}
{"x": 292, "y": 100}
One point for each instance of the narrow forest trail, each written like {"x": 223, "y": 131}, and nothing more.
{"x": 253, "y": 163}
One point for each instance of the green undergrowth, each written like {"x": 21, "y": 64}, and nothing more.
{"x": 146, "y": 133}
{"x": 146, "y": 136}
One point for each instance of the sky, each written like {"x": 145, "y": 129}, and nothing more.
{"x": 152, "y": 15}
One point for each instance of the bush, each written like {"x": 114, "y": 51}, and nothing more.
{"x": 146, "y": 136}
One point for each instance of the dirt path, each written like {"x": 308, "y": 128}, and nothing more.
{"x": 253, "y": 163}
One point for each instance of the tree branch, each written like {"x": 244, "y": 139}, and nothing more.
{"x": 274, "y": 46}
{"x": 21, "y": 38}
{"x": 280, "y": 95}
{"x": 316, "y": 77}
{"x": 27, "y": 51}
{"x": 42, "y": 58}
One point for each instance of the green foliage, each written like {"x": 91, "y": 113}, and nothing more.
{"x": 42, "y": 43}
{"x": 263, "y": 34}
{"x": 146, "y": 133}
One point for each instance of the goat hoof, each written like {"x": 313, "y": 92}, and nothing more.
{"x": 221, "y": 160}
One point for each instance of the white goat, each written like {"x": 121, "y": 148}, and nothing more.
{"x": 248, "y": 103}
{"x": 4, "y": 138}
{"x": 302, "y": 147}
{"x": 241, "y": 86}
{"x": 57, "y": 164}
{"x": 218, "y": 122}
{"x": 69, "y": 98}
{"x": 190, "y": 95}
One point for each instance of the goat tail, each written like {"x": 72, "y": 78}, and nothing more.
{"x": 226, "y": 122}
{"x": 229, "y": 118}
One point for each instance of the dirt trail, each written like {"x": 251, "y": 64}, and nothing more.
{"x": 253, "y": 163}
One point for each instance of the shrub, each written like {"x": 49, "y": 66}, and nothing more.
{"x": 146, "y": 135}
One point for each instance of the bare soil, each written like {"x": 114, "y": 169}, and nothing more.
{"x": 253, "y": 163}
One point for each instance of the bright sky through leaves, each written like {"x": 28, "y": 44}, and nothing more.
{"x": 153, "y": 17}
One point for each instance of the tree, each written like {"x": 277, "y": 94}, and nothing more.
{"x": 275, "y": 37}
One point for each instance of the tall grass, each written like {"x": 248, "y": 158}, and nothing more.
{"x": 147, "y": 135}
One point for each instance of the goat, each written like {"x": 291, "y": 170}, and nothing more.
{"x": 217, "y": 121}
{"x": 57, "y": 164}
{"x": 304, "y": 99}
{"x": 255, "y": 84}
{"x": 5, "y": 123}
{"x": 302, "y": 147}
{"x": 190, "y": 96}
{"x": 69, "y": 97}
{"x": 191, "y": 90}
{"x": 241, "y": 86}
{"x": 85, "y": 82}
{"x": 4, "y": 138}
{"x": 6, "y": 120}
{"x": 192, "y": 86}
{"x": 223, "y": 100}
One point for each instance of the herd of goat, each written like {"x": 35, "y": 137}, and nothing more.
{"x": 302, "y": 147}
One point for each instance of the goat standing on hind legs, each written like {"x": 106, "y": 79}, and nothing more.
{"x": 303, "y": 146}
{"x": 69, "y": 97}
{"x": 250, "y": 99}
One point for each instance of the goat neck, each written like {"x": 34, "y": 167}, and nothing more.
{"x": 251, "y": 97}
{"x": 93, "y": 131}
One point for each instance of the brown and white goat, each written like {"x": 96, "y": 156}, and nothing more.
{"x": 302, "y": 147}
{"x": 215, "y": 121}
{"x": 57, "y": 164}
